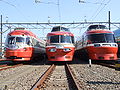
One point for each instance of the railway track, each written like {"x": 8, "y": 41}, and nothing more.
{"x": 107, "y": 65}
{"x": 2, "y": 59}
{"x": 21, "y": 78}
{"x": 63, "y": 77}
{"x": 4, "y": 67}
{"x": 55, "y": 77}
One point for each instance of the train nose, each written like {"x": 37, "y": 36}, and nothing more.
{"x": 104, "y": 57}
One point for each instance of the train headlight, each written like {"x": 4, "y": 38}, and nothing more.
{"x": 12, "y": 46}
{"x": 52, "y": 50}
{"x": 25, "y": 49}
{"x": 97, "y": 45}
{"x": 114, "y": 45}
{"x": 16, "y": 47}
{"x": 4, "y": 48}
{"x": 67, "y": 49}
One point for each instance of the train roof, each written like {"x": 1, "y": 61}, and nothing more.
{"x": 60, "y": 33}
{"x": 98, "y": 31}
{"x": 60, "y": 28}
{"x": 97, "y": 27}
{"x": 21, "y": 31}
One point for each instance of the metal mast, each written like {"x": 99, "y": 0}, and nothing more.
{"x": 109, "y": 19}
{"x": 1, "y": 35}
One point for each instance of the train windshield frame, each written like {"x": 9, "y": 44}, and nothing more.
{"x": 14, "y": 40}
{"x": 96, "y": 27}
{"x": 102, "y": 38}
{"x": 59, "y": 28}
{"x": 61, "y": 39}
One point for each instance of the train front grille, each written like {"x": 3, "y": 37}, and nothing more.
{"x": 101, "y": 57}
{"x": 14, "y": 57}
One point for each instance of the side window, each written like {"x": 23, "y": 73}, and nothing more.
{"x": 85, "y": 40}
{"x": 28, "y": 40}
{"x": 72, "y": 39}
{"x": 37, "y": 44}
{"x": 82, "y": 40}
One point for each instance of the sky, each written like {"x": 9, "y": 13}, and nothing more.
{"x": 65, "y": 11}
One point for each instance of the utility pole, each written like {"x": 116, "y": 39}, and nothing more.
{"x": 1, "y": 35}
{"x": 109, "y": 19}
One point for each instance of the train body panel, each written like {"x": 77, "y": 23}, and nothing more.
{"x": 102, "y": 53}
{"x": 117, "y": 38}
{"x": 23, "y": 45}
{"x": 60, "y": 54}
{"x": 60, "y": 45}
{"x": 19, "y": 54}
{"x": 99, "y": 44}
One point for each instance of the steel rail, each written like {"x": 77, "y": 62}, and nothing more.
{"x": 40, "y": 81}
{"x": 107, "y": 65}
{"x": 74, "y": 80}
{"x": 11, "y": 67}
{"x": 2, "y": 60}
{"x": 4, "y": 65}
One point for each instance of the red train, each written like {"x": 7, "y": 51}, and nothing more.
{"x": 97, "y": 43}
{"x": 23, "y": 45}
{"x": 117, "y": 38}
{"x": 60, "y": 44}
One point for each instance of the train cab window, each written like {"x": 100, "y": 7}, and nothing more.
{"x": 97, "y": 27}
{"x": 61, "y": 39}
{"x": 54, "y": 39}
{"x": 59, "y": 28}
{"x": 19, "y": 39}
{"x": 13, "y": 40}
{"x": 101, "y": 38}
{"x": 65, "y": 39}
{"x": 110, "y": 38}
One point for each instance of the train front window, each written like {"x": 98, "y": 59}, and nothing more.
{"x": 19, "y": 39}
{"x": 61, "y": 39}
{"x": 97, "y": 27}
{"x": 11, "y": 40}
{"x": 101, "y": 38}
{"x": 59, "y": 28}
{"x": 65, "y": 39}
{"x": 110, "y": 38}
{"x": 14, "y": 40}
{"x": 54, "y": 39}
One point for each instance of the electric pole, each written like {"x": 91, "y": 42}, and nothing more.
{"x": 109, "y": 19}
{"x": 1, "y": 35}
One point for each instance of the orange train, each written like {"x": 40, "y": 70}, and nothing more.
{"x": 60, "y": 44}
{"x": 97, "y": 43}
{"x": 117, "y": 38}
{"x": 23, "y": 45}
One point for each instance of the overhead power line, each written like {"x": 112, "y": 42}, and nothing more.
{"x": 38, "y": 1}
{"x": 58, "y": 6}
{"x": 59, "y": 11}
{"x": 82, "y": 1}
{"x": 97, "y": 13}
{"x": 8, "y": 3}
